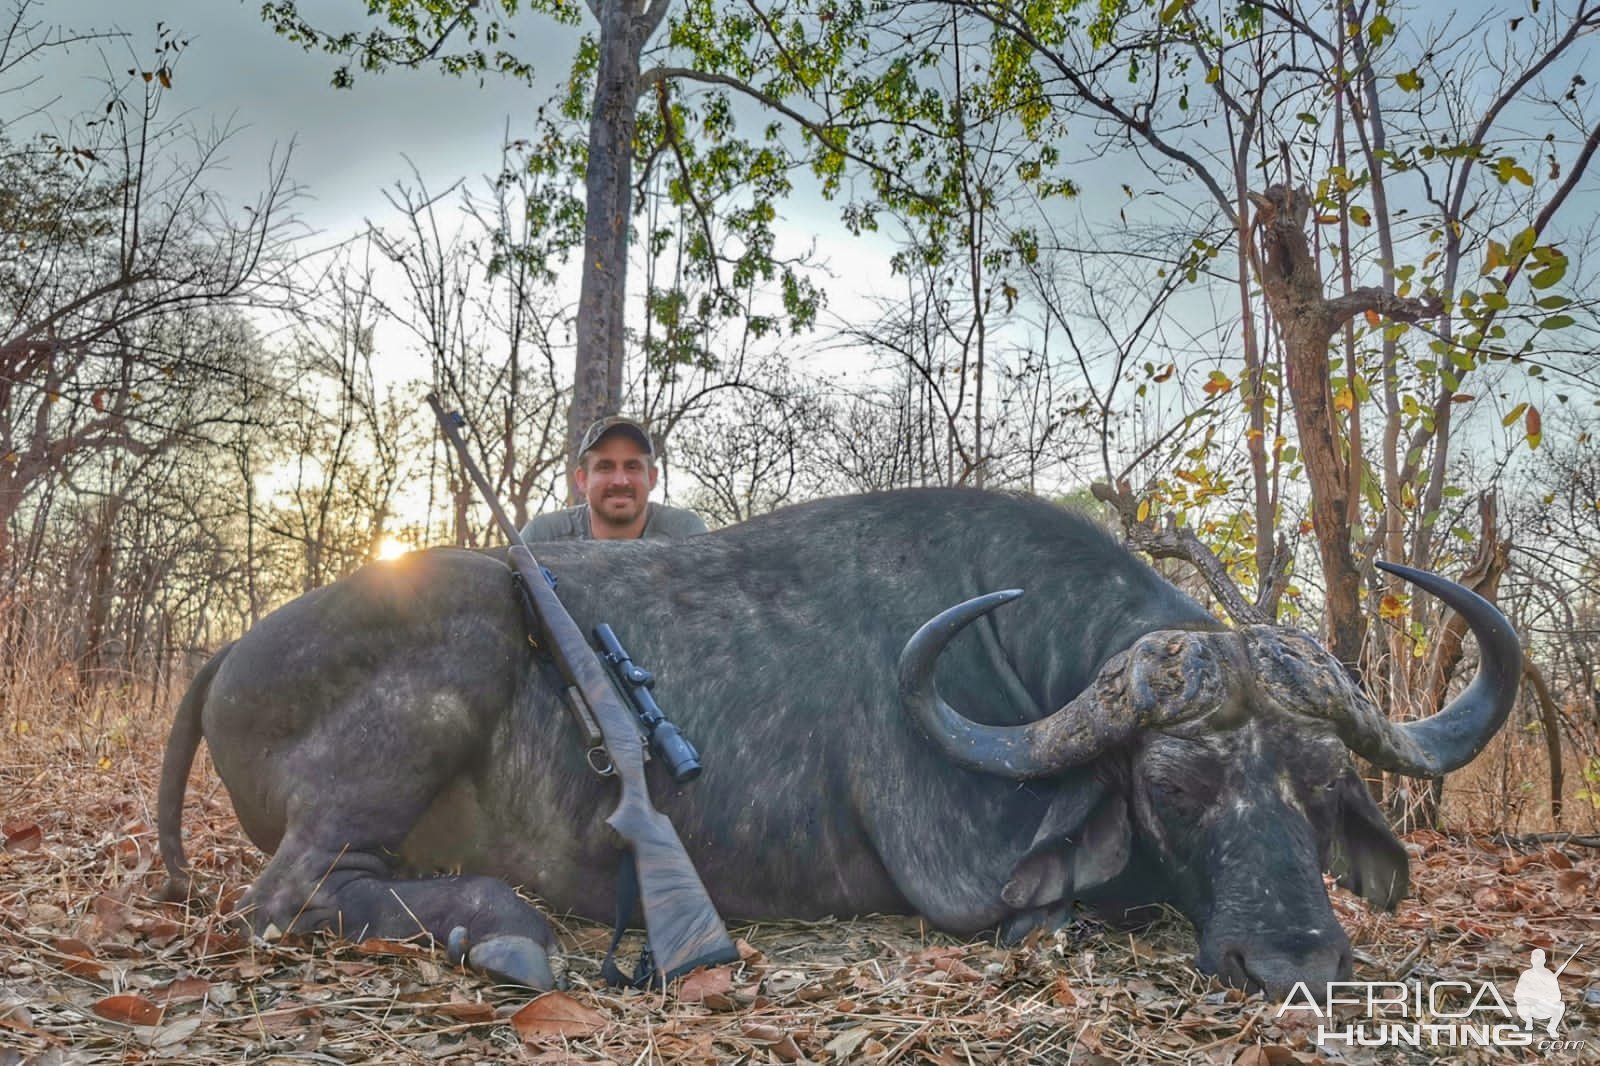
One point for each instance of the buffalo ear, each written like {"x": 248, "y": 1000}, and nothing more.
{"x": 1084, "y": 841}
{"x": 1364, "y": 855}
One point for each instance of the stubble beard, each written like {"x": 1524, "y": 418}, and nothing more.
{"x": 630, "y": 510}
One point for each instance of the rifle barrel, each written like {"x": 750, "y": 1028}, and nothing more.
{"x": 451, "y": 423}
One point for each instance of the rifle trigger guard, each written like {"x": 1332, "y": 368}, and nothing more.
{"x": 600, "y": 761}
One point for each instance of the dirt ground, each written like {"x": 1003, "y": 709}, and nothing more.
{"x": 94, "y": 969}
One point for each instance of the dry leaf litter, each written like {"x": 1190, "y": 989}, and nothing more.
{"x": 94, "y": 969}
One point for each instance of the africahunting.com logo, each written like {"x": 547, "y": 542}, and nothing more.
{"x": 1441, "y": 1013}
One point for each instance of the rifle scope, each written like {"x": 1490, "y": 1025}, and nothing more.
{"x": 666, "y": 741}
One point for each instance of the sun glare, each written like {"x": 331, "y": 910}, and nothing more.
{"x": 392, "y": 547}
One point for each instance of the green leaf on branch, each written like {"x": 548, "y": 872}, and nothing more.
{"x": 1522, "y": 244}
{"x": 1551, "y": 274}
{"x": 1557, "y": 322}
{"x": 1507, "y": 169}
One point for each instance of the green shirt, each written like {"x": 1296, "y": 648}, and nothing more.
{"x": 661, "y": 523}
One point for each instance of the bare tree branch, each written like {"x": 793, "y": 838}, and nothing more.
{"x": 1173, "y": 542}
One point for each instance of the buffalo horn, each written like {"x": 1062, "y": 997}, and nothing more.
{"x": 1165, "y": 678}
{"x": 1452, "y": 738}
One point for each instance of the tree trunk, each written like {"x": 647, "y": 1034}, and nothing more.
{"x": 102, "y": 560}
{"x": 602, "y": 297}
{"x": 1329, "y": 472}
{"x": 1307, "y": 320}
{"x": 1550, "y": 719}
{"x": 1306, "y": 323}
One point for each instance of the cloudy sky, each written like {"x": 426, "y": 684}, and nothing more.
{"x": 347, "y": 145}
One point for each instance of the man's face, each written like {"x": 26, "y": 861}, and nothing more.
{"x": 616, "y": 477}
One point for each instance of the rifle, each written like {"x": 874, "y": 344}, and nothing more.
{"x": 682, "y": 927}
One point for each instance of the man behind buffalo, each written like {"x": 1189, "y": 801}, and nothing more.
{"x": 616, "y": 471}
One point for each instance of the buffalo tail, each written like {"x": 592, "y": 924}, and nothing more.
{"x": 182, "y": 744}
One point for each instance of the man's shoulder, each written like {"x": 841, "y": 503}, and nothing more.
{"x": 567, "y": 524}
{"x": 668, "y": 521}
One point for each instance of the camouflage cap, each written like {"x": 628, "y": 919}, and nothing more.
{"x": 605, "y": 427}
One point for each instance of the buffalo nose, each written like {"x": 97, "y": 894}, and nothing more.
{"x": 1275, "y": 971}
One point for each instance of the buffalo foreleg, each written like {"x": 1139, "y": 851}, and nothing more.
{"x": 481, "y": 920}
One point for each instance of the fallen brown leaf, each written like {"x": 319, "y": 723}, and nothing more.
{"x": 16, "y": 1017}
{"x": 556, "y": 1014}
{"x": 762, "y": 1032}
{"x": 465, "y": 1011}
{"x": 1490, "y": 898}
{"x": 21, "y": 836}
{"x": 78, "y": 958}
{"x": 110, "y": 914}
{"x": 786, "y": 1049}
{"x": 183, "y": 990}
{"x": 712, "y": 981}
{"x": 1572, "y": 886}
{"x": 290, "y": 1020}
{"x": 214, "y": 942}
{"x": 160, "y": 932}
{"x": 931, "y": 957}
{"x": 843, "y": 1046}
{"x": 129, "y": 1010}
{"x": 1551, "y": 857}
{"x": 397, "y": 948}
{"x": 957, "y": 970}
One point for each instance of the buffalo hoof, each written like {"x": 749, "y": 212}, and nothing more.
{"x": 513, "y": 960}
{"x": 178, "y": 889}
{"x": 1018, "y": 927}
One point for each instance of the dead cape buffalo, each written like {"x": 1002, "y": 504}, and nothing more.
{"x": 1114, "y": 743}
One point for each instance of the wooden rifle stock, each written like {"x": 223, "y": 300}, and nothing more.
{"x": 681, "y": 924}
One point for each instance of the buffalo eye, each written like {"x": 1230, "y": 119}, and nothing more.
{"x": 1174, "y": 792}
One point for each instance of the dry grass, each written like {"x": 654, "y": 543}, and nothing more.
{"x": 94, "y": 969}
